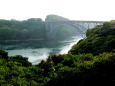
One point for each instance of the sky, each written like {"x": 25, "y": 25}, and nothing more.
{"x": 103, "y": 10}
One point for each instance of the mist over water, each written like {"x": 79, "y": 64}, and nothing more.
{"x": 40, "y": 50}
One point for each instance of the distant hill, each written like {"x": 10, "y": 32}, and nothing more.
{"x": 54, "y": 18}
{"x": 33, "y": 28}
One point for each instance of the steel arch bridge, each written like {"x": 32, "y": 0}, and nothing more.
{"x": 80, "y": 26}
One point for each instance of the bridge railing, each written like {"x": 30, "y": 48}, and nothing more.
{"x": 79, "y": 21}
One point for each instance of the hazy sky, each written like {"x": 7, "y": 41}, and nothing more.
{"x": 72, "y": 9}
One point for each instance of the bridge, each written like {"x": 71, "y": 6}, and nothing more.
{"x": 79, "y": 25}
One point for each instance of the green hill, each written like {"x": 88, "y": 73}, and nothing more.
{"x": 53, "y": 17}
{"x": 99, "y": 39}
{"x": 22, "y": 30}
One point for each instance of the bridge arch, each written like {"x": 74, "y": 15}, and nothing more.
{"x": 55, "y": 27}
{"x": 80, "y": 26}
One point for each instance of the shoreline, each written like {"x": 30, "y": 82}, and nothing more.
{"x": 27, "y": 40}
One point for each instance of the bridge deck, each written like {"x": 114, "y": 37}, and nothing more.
{"x": 79, "y": 21}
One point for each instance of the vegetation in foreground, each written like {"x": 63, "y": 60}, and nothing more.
{"x": 91, "y": 62}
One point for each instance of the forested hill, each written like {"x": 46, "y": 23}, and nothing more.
{"x": 55, "y": 18}
{"x": 99, "y": 39}
{"x": 91, "y": 62}
{"x": 33, "y": 28}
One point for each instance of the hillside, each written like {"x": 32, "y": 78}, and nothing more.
{"x": 53, "y": 17}
{"x": 91, "y": 62}
{"x": 22, "y": 30}
{"x": 99, "y": 39}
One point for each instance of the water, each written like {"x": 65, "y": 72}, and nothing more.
{"x": 40, "y": 50}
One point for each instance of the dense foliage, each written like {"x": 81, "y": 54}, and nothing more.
{"x": 20, "y": 30}
{"x": 77, "y": 69}
{"x": 59, "y": 70}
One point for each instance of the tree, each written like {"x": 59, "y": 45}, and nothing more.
{"x": 3, "y": 54}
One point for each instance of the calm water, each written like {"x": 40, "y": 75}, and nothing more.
{"x": 38, "y": 50}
